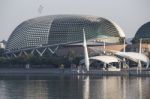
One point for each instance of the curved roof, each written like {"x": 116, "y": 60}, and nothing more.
{"x": 143, "y": 32}
{"x": 121, "y": 32}
{"x": 106, "y": 59}
{"x": 134, "y": 57}
{"x": 60, "y": 29}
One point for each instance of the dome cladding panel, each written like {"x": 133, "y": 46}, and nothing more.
{"x": 143, "y": 32}
{"x": 58, "y": 29}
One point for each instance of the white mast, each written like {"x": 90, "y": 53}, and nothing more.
{"x": 104, "y": 46}
{"x": 124, "y": 45}
{"x": 140, "y": 48}
{"x": 87, "y": 63}
{"x": 140, "y": 51}
{"x": 124, "y": 50}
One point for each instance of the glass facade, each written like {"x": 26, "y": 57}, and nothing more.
{"x": 142, "y": 33}
{"x": 59, "y": 29}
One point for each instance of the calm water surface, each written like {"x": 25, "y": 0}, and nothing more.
{"x": 74, "y": 87}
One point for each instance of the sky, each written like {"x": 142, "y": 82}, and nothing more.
{"x": 130, "y": 15}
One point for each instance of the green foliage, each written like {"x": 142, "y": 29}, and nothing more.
{"x": 3, "y": 61}
{"x": 71, "y": 55}
{"x": 52, "y": 60}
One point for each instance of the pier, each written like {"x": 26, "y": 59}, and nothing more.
{"x": 75, "y": 72}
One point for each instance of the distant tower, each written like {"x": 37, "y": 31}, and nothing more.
{"x": 40, "y": 9}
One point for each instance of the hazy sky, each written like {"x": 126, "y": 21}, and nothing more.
{"x": 128, "y": 14}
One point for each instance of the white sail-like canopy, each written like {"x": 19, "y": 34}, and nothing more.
{"x": 134, "y": 57}
{"x": 105, "y": 59}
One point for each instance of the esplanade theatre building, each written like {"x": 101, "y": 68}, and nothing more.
{"x": 60, "y": 33}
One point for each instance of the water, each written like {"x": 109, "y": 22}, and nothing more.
{"x": 74, "y": 87}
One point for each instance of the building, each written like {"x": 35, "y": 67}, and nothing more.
{"x": 142, "y": 33}
{"x": 3, "y": 44}
{"x": 51, "y": 33}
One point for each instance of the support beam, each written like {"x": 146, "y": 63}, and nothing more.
{"x": 39, "y": 52}
{"x": 32, "y": 52}
{"x": 14, "y": 55}
{"x": 56, "y": 49}
{"x": 43, "y": 51}
{"x": 20, "y": 53}
{"x": 52, "y": 50}
{"x": 25, "y": 53}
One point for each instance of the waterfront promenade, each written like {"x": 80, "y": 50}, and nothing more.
{"x": 74, "y": 72}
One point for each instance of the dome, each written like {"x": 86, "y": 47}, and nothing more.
{"x": 60, "y": 29}
{"x": 143, "y": 33}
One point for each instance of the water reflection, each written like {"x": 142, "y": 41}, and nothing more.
{"x": 86, "y": 88}
{"x": 140, "y": 87}
{"x": 73, "y": 87}
{"x": 124, "y": 81}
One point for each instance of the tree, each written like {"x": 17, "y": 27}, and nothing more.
{"x": 71, "y": 55}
